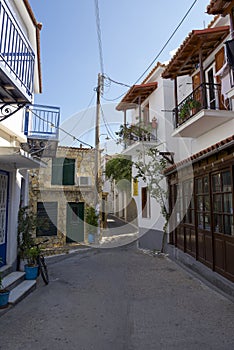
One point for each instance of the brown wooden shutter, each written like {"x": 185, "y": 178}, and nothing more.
{"x": 219, "y": 62}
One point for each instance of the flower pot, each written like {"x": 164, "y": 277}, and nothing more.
{"x": 4, "y": 297}
{"x": 91, "y": 238}
{"x": 31, "y": 272}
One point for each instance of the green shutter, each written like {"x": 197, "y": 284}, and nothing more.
{"x": 57, "y": 171}
{"x": 48, "y": 212}
{"x": 68, "y": 171}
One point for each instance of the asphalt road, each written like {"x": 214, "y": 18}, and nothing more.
{"x": 119, "y": 299}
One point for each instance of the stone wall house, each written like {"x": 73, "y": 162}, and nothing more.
{"x": 61, "y": 192}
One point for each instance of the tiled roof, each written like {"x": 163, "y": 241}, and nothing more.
{"x": 158, "y": 64}
{"x": 187, "y": 56}
{"x": 205, "y": 152}
{"x": 130, "y": 100}
{"x": 219, "y": 6}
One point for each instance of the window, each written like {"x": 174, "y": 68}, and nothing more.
{"x": 145, "y": 202}
{"x": 63, "y": 171}
{"x": 222, "y": 202}
{"x": 47, "y": 211}
{"x": 146, "y": 115}
{"x": 188, "y": 202}
{"x": 203, "y": 203}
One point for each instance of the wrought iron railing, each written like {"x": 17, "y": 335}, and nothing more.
{"x": 17, "y": 58}
{"x": 42, "y": 122}
{"x": 205, "y": 96}
{"x": 140, "y": 132}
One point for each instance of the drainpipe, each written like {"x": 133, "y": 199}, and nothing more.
{"x": 125, "y": 125}
{"x": 139, "y": 109}
{"x": 176, "y": 102}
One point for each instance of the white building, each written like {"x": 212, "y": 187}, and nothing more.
{"x": 151, "y": 104}
{"x": 20, "y": 79}
{"x": 201, "y": 186}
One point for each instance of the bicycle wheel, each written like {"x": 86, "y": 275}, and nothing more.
{"x": 43, "y": 269}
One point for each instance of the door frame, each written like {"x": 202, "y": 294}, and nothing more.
{"x": 3, "y": 246}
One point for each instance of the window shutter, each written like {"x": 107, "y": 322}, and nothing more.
{"x": 57, "y": 171}
{"x": 68, "y": 171}
{"x": 47, "y": 211}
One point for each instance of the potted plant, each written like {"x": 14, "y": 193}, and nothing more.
{"x": 4, "y": 293}
{"x": 31, "y": 268}
{"x": 91, "y": 219}
{"x": 26, "y": 226}
{"x": 194, "y": 105}
{"x": 28, "y": 222}
{"x": 184, "y": 111}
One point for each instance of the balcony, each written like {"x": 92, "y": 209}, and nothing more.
{"x": 41, "y": 126}
{"x": 133, "y": 136}
{"x": 16, "y": 60}
{"x": 201, "y": 111}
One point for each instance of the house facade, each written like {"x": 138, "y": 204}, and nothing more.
{"x": 20, "y": 80}
{"x": 201, "y": 186}
{"x": 61, "y": 192}
{"x": 150, "y": 104}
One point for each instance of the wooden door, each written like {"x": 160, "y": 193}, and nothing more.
{"x": 75, "y": 222}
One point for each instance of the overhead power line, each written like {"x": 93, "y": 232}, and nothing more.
{"x": 63, "y": 130}
{"x": 162, "y": 49}
{"x": 167, "y": 42}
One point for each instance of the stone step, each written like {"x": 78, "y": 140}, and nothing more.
{"x": 13, "y": 279}
{"x": 21, "y": 291}
{"x": 5, "y": 270}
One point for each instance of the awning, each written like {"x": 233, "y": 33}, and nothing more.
{"x": 219, "y": 7}
{"x": 186, "y": 59}
{"x": 130, "y": 100}
{"x": 16, "y": 158}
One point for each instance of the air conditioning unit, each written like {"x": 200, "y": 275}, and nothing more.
{"x": 84, "y": 180}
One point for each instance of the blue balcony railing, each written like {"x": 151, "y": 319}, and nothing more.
{"x": 42, "y": 122}
{"x": 16, "y": 55}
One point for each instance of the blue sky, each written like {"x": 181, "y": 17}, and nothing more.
{"x": 133, "y": 33}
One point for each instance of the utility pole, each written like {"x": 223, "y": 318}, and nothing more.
{"x": 97, "y": 144}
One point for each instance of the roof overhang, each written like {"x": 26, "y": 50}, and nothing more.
{"x": 141, "y": 91}
{"x": 16, "y": 158}
{"x": 36, "y": 39}
{"x": 219, "y": 7}
{"x": 186, "y": 59}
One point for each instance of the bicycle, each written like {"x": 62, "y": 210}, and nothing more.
{"x": 42, "y": 270}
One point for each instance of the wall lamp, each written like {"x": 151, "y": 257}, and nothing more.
{"x": 169, "y": 156}
{"x": 106, "y": 138}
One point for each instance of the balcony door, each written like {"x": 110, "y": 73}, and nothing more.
{"x": 210, "y": 89}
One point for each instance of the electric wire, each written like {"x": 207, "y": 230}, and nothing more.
{"x": 167, "y": 42}
{"x": 162, "y": 49}
{"x": 74, "y": 125}
{"x": 59, "y": 128}
{"x": 107, "y": 126}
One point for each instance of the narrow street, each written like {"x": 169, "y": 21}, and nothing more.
{"x": 118, "y": 233}
{"x": 119, "y": 299}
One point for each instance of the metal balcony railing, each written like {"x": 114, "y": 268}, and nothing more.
{"x": 42, "y": 122}
{"x": 17, "y": 58}
{"x": 205, "y": 96}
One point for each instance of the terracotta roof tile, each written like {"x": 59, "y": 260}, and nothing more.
{"x": 203, "y": 152}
